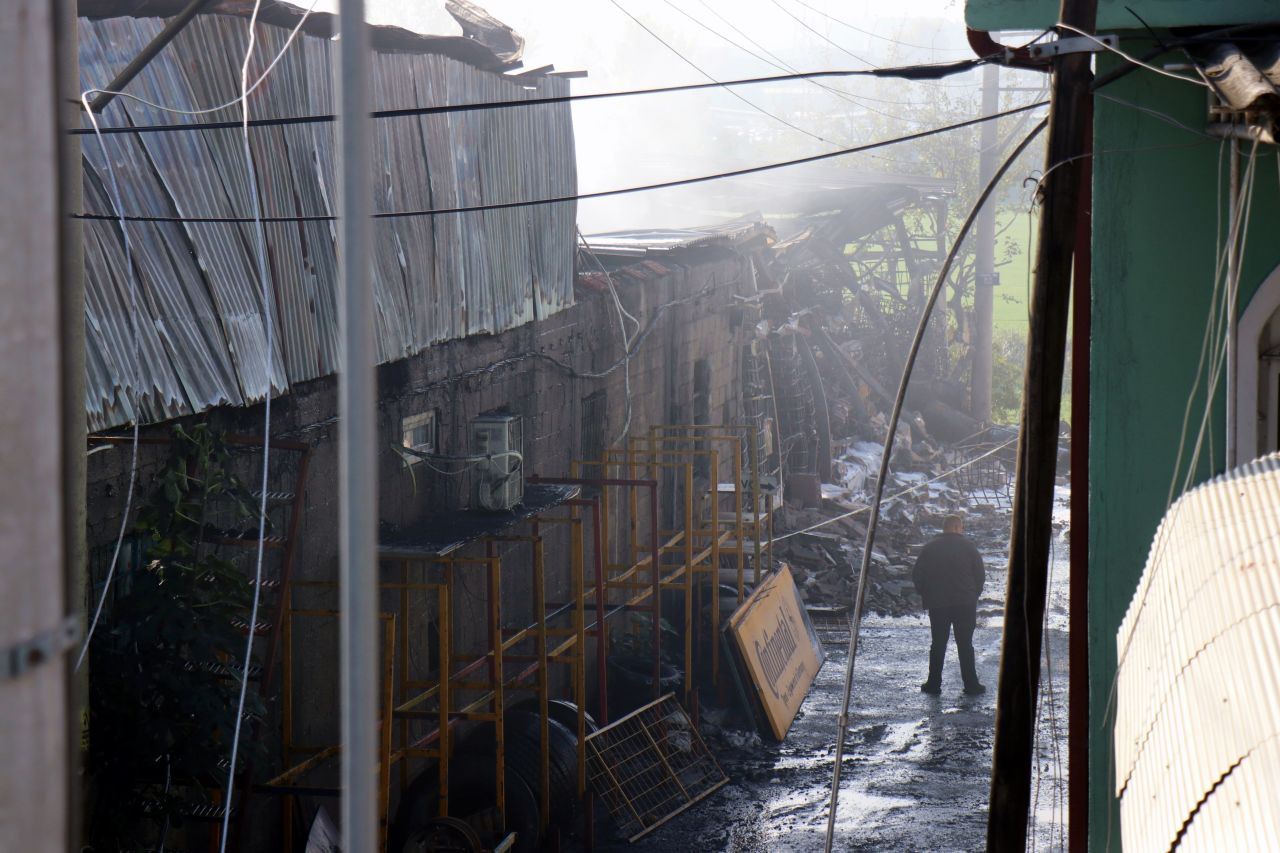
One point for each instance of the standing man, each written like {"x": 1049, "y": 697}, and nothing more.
{"x": 949, "y": 576}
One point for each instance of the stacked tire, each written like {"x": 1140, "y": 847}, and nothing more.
{"x": 472, "y": 781}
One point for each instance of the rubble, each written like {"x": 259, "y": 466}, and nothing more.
{"x": 825, "y": 559}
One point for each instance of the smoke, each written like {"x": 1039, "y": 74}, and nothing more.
{"x": 653, "y": 138}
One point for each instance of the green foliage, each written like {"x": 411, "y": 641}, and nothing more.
{"x": 160, "y": 721}
{"x": 1008, "y": 357}
{"x": 1008, "y": 360}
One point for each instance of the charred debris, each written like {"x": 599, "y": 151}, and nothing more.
{"x": 842, "y": 270}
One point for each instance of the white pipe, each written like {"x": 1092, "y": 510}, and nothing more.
{"x": 358, "y": 507}
{"x": 1233, "y": 282}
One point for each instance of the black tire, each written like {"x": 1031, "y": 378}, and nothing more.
{"x": 471, "y": 790}
{"x": 562, "y": 711}
{"x": 446, "y": 834}
{"x": 523, "y": 753}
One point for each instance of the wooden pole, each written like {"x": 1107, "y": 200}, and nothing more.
{"x": 1078, "y": 687}
{"x": 34, "y": 807}
{"x": 1038, "y": 445}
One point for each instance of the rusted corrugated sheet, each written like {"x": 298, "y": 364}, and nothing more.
{"x": 200, "y": 321}
{"x": 1199, "y": 670}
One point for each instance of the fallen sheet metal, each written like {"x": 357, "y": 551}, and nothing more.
{"x": 776, "y": 650}
{"x": 650, "y": 766}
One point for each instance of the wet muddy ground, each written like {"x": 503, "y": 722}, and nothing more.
{"x": 916, "y": 768}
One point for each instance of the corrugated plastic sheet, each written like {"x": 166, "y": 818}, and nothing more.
{"x": 198, "y": 337}
{"x": 1199, "y": 671}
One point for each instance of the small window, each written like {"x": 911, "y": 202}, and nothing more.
{"x": 419, "y": 433}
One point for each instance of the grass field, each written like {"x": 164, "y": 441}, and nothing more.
{"x": 1010, "y": 309}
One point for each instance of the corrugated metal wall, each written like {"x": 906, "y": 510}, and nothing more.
{"x": 1197, "y": 720}
{"x": 201, "y": 339}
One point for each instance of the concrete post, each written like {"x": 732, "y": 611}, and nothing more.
{"x": 985, "y": 254}
{"x": 34, "y": 810}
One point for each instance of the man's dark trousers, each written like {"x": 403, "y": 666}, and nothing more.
{"x": 963, "y": 618}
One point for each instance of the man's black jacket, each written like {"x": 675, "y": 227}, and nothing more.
{"x": 949, "y": 572}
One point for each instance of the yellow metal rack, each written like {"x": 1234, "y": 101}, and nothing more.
{"x": 420, "y": 709}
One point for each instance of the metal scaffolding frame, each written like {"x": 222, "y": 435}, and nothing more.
{"x": 504, "y": 665}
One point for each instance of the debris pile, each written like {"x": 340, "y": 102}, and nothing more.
{"x": 823, "y": 545}
{"x": 840, "y": 296}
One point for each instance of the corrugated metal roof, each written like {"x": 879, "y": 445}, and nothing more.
{"x": 1199, "y": 667}
{"x": 656, "y": 241}
{"x": 200, "y": 313}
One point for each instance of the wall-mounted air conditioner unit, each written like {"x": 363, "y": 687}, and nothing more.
{"x": 499, "y": 475}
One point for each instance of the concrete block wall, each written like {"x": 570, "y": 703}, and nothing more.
{"x": 690, "y": 302}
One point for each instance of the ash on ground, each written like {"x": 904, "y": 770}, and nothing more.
{"x": 916, "y": 768}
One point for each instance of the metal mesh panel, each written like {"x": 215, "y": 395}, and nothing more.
{"x": 651, "y": 765}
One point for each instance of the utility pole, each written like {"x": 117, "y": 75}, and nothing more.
{"x": 1029, "y": 544}
{"x": 35, "y": 634}
{"x": 985, "y": 254}
{"x": 357, "y": 460}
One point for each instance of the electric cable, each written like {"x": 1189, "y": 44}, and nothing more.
{"x": 626, "y": 340}
{"x": 124, "y": 520}
{"x": 781, "y": 66}
{"x": 805, "y": 24}
{"x": 1231, "y": 296}
{"x": 1133, "y": 60}
{"x": 1215, "y": 321}
{"x": 895, "y": 495}
{"x": 925, "y": 71}
{"x": 508, "y": 205}
{"x": 890, "y": 436}
{"x": 842, "y": 23}
{"x": 707, "y": 74}
{"x": 264, "y": 280}
{"x": 1207, "y": 335}
{"x": 293, "y": 34}
{"x": 1164, "y": 117}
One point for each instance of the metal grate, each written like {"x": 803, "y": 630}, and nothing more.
{"x": 651, "y": 765}
{"x": 830, "y": 623}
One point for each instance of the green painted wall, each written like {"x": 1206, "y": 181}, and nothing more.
{"x": 1113, "y": 14}
{"x": 1154, "y": 247}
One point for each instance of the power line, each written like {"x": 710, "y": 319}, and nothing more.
{"x": 910, "y": 72}
{"x": 843, "y": 23}
{"x": 886, "y": 454}
{"x": 783, "y": 64}
{"x": 699, "y": 69}
{"x": 749, "y": 170}
{"x": 781, "y": 67}
{"x": 805, "y": 24}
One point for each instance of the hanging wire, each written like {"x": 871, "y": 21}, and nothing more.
{"x": 1132, "y": 60}
{"x": 113, "y": 186}
{"x": 264, "y": 279}
{"x": 1239, "y": 222}
{"x": 864, "y": 571}
{"x": 508, "y": 205}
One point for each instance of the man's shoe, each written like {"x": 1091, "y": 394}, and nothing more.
{"x": 974, "y": 690}
{"x": 931, "y": 689}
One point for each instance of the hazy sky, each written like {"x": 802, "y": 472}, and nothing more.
{"x": 660, "y": 137}
{"x": 596, "y": 35}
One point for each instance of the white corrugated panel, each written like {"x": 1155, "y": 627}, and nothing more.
{"x": 1199, "y": 671}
